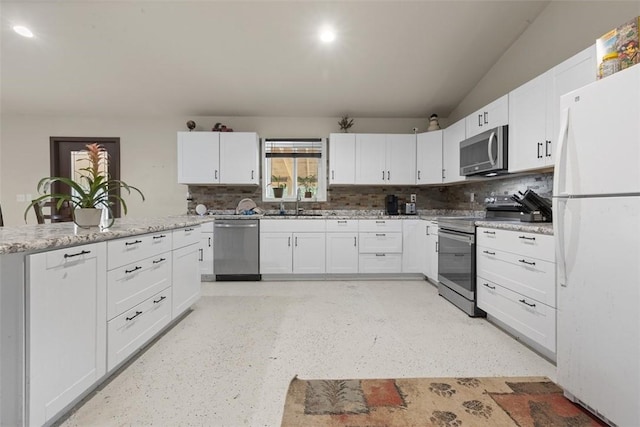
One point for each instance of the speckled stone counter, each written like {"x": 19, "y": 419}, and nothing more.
{"x": 27, "y": 238}
{"x": 526, "y": 227}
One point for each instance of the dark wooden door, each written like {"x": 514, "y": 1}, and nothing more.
{"x": 61, "y": 148}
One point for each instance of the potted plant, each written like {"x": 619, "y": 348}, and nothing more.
{"x": 278, "y": 183}
{"x": 309, "y": 183}
{"x": 92, "y": 193}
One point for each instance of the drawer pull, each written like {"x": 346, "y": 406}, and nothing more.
{"x": 488, "y": 253}
{"x": 489, "y": 232}
{"x": 161, "y": 298}
{"x": 526, "y": 262}
{"x": 380, "y": 234}
{"x": 162, "y": 236}
{"x": 488, "y": 286}
{"x": 77, "y": 254}
{"x": 135, "y": 269}
{"x": 380, "y": 254}
{"x": 380, "y": 222}
{"x": 135, "y": 242}
{"x": 342, "y": 222}
{"x": 526, "y": 238}
{"x": 186, "y": 230}
{"x": 138, "y": 313}
{"x": 526, "y": 303}
{"x": 158, "y": 261}
{"x": 355, "y": 242}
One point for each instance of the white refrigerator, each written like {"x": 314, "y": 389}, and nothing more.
{"x": 596, "y": 204}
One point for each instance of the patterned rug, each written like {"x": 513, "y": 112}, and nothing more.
{"x": 438, "y": 402}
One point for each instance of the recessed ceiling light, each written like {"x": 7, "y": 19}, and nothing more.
{"x": 23, "y": 31}
{"x": 327, "y": 35}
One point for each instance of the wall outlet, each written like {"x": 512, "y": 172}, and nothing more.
{"x": 413, "y": 198}
{"x": 20, "y": 198}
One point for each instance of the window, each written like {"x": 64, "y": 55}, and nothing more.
{"x": 294, "y": 167}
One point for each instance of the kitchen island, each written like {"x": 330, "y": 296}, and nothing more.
{"x": 76, "y": 304}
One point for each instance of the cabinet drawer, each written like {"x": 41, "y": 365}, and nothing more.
{"x": 539, "y": 246}
{"x": 378, "y": 225}
{"x": 125, "y": 251}
{"x": 342, "y": 225}
{"x": 380, "y": 263}
{"x": 133, "y": 328}
{"x": 532, "y": 319}
{"x": 69, "y": 256}
{"x": 380, "y": 242}
{"x": 186, "y": 236}
{"x": 133, "y": 283}
{"x": 531, "y": 277}
{"x": 293, "y": 225}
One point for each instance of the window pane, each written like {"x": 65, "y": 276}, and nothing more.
{"x": 282, "y": 175}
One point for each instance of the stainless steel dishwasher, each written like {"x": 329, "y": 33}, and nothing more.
{"x": 236, "y": 249}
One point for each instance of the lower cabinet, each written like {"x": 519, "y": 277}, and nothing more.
{"x": 380, "y": 246}
{"x": 206, "y": 249}
{"x": 342, "y": 253}
{"x": 66, "y": 328}
{"x": 413, "y": 255}
{"x": 430, "y": 239}
{"x": 185, "y": 278}
{"x": 297, "y": 253}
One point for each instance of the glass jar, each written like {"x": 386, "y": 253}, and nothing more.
{"x": 610, "y": 64}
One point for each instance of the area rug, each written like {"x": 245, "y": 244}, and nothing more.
{"x": 438, "y": 402}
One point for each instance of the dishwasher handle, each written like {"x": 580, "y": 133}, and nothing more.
{"x": 235, "y": 225}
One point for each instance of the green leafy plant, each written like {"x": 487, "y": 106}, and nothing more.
{"x": 308, "y": 182}
{"x": 94, "y": 189}
{"x": 280, "y": 181}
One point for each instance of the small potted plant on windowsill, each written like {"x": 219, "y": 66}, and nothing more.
{"x": 278, "y": 183}
{"x": 309, "y": 184}
{"x": 92, "y": 193}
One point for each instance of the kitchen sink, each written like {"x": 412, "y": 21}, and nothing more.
{"x": 293, "y": 215}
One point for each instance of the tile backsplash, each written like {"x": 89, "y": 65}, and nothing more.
{"x": 224, "y": 198}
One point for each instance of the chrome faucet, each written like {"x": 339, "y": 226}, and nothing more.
{"x": 282, "y": 211}
{"x": 298, "y": 198}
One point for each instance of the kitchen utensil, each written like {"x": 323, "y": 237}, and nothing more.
{"x": 201, "y": 209}
{"x": 245, "y": 205}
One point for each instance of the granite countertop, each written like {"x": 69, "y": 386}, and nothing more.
{"x": 526, "y": 227}
{"x": 26, "y": 238}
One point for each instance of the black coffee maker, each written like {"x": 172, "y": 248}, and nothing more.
{"x": 392, "y": 205}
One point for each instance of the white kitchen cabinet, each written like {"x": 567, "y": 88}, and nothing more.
{"x": 66, "y": 327}
{"x": 276, "y": 253}
{"x": 206, "y": 249}
{"x": 292, "y": 246}
{"x": 413, "y": 256}
{"x": 198, "y": 157}
{"x": 218, "y": 158}
{"x": 380, "y": 246}
{"x": 309, "y": 253}
{"x": 239, "y": 157}
{"x": 185, "y": 276}
{"x": 385, "y": 159}
{"x": 431, "y": 250}
{"x": 342, "y": 158}
{"x": 451, "y": 138}
{"x": 534, "y": 111}
{"x": 429, "y": 157}
{"x": 342, "y": 247}
{"x": 490, "y": 116}
{"x": 516, "y": 284}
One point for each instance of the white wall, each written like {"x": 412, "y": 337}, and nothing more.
{"x": 562, "y": 29}
{"x": 147, "y": 150}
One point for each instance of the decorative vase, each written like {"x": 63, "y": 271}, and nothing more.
{"x": 87, "y": 217}
{"x": 278, "y": 192}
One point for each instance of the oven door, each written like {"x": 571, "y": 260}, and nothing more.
{"x": 457, "y": 262}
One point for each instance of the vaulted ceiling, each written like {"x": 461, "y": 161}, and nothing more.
{"x": 252, "y": 58}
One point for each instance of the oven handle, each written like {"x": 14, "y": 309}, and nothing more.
{"x": 460, "y": 237}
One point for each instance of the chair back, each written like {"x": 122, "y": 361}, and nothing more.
{"x": 63, "y": 215}
{"x": 1, "y": 220}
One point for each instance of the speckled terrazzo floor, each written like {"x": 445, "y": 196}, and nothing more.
{"x": 229, "y": 362}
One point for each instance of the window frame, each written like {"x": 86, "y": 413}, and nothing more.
{"x": 321, "y": 189}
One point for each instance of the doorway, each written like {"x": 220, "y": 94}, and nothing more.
{"x": 62, "y": 151}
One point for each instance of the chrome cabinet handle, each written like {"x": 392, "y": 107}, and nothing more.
{"x": 488, "y": 286}
{"x": 538, "y": 155}
{"x": 296, "y": 241}
{"x": 209, "y": 239}
{"x": 380, "y": 254}
{"x": 380, "y": 222}
{"x": 486, "y": 117}
{"x": 83, "y": 252}
{"x": 428, "y": 229}
{"x": 289, "y": 241}
{"x": 342, "y": 222}
{"x": 489, "y": 232}
{"x": 437, "y": 248}
{"x": 526, "y": 303}
{"x": 333, "y": 174}
{"x": 547, "y": 148}
{"x": 355, "y": 241}
{"x": 388, "y": 175}
{"x": 418, "y": 175}
{"x": 201, "y": 254}
{"x": 480, "y": 120}
{"x": 216, "y": 174}
{"x": 380, "y": 235}
{"x": 383, "y": 175}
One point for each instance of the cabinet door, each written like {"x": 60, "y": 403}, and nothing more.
{"x": 239, "y": 158}
{"x": 342, "y": 253}
{"x": 429, "y": 158}
{"x": 276, "y": 253}
{"x": 412, "y": 245}
{"x": 451, "y": 138}
{"x": 490, "y": 116}
{"x": 309, "y": 253}
{"x": 529, "y": 114}
{"x": 371, "y": 164}
{"x": 66, "y": 330}
{"x": 401, "y": 159}
{"x": 206, "y": 253}
{"x": 185, "y": 279}
{"x": 342, "y": 158}
{"x": 432, "y": 251}
{"x": 198, "y": 157}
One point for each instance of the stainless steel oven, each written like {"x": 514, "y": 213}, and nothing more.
{"x": 457, "y": 263}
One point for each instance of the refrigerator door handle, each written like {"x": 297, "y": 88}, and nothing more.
{"x": 560, "y": 206}
{"x": 560, "y": 175}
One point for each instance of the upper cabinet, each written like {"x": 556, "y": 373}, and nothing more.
{"x": 451, "y": 138}
{"x": 218, "y": 158}
{"x": 342, "y": 158}
{"x": 429, "y": 157}
{"x": 534, "y": 111}
{"x": 491, "y": 116}
{"x": 381, "y": 159}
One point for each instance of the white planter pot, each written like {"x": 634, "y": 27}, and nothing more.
{"x": 87, "y": 217}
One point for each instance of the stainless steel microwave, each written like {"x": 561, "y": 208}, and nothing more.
{"x": 486, "y": 153}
